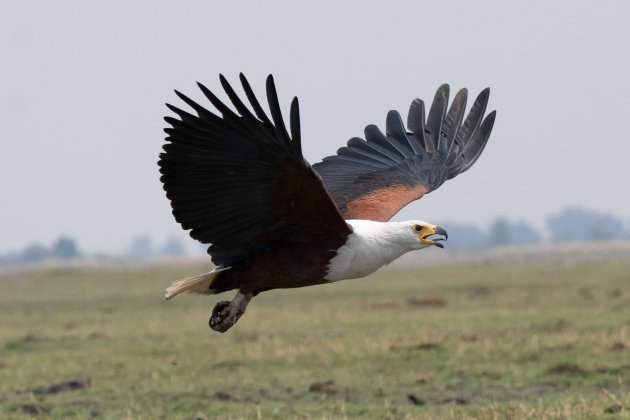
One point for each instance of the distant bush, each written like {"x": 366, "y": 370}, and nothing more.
{"x": 141, "y": 248}
{"x": 63, "y": 248}
{"x": 33, "y": 253}
{"x": 465, "y": 236}
{"x": 500, "y": 232}
{"x": 172, "y": 248}
{"x": 578, "y": 224}
{"x": 504, "y": 232}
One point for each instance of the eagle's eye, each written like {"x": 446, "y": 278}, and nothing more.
{"x": 417, "y": 228}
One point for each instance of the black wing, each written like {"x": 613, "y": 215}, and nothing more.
{"x": 239, "y": 181}
{"x": 374, "y": 179}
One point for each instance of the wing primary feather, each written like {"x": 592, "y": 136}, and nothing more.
{"x": 251, "y": 97}
{"x": 223, "y": 108}
{"x": 479, "y": 141}
{"x": 294, "y": 121}
{"x": 181, "y": 113}
{"x": 236, "y": 101}
{"x": 437, "y": 113}
{"x": 274, "y": 107}
{"x": 396, "y": 134}
{"x": 375, "y": 136}
{"x": 474, "y": 118}
{"x": 454, "y": 117}
{"x": 416, "y": 123}
{"x": 200, "y": 110}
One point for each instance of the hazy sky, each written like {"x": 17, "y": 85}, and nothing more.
{"x": 84, "y": 84}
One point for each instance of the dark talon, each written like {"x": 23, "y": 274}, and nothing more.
{"x": 220, "y": 306}
{"x": 220, "y": 311}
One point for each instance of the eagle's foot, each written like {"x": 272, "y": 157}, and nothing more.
{"x": 226, "y": 313}
{"x": 220, "y": 313}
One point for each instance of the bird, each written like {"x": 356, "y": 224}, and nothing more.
{"x": 237, "y": 179}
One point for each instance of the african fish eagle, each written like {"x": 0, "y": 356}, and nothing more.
{"x": 238, "y": 180}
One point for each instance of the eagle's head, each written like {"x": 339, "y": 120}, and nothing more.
{"x": 427, "y": 234}
{"x": 375, "y": 244}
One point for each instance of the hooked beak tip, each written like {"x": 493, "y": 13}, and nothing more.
{"x": 441, "y": 231}
{"x": 431, "y": 239}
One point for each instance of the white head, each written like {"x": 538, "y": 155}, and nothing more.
{"x": 408, "y": 235}
{"x": 374, "y": 244}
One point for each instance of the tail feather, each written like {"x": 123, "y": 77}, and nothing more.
{"x": 200, "y": 284}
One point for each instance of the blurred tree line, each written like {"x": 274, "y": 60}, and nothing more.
{"x": 501, "y": 232}
{"x": 66, "y": 248}
{"x": 572, "y": 224}
{"x": 142, "y": 248}
{"x": 577, "y": 224}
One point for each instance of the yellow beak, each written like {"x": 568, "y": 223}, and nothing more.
{"x": 430, "y": 230}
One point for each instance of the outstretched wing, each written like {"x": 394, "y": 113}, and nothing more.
{"x": 240, "y": 182}
{"x": 374, "y": 178}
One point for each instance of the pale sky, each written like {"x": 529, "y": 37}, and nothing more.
{"x": 83, "y": 87}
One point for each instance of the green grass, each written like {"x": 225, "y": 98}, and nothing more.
{"x": 486, "y": 340}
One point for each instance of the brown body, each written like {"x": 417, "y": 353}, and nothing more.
{"x": 285, "y": 268}
{"x": 296, "y": 255}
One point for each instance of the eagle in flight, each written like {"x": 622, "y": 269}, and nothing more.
{"x": 238, "y": 181}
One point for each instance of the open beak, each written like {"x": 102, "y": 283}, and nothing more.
{"x": 432, "y": 235}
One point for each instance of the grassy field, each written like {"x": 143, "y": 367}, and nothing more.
{"x": 483, "y": 340}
